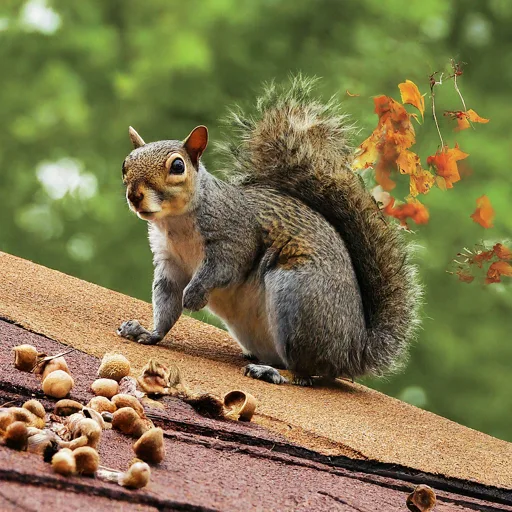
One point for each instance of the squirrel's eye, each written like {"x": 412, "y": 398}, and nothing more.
{"x": 177, "y": 166}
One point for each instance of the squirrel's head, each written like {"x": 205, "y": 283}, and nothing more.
{"x": 160, "y": 177}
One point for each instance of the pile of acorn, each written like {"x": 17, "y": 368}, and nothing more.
{"x": 69, "y": 437}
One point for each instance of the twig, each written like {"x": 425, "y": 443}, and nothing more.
{"x": 433, "y": 83}
{"x": 457, "y": 71}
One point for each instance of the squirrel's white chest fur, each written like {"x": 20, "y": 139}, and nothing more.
{"x": 178, "y": 244}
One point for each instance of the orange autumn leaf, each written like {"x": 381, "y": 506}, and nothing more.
{"x": 413, "y": 209}
{"x": 463, "y": 118}
{"x": 445, "y": 164}
{"x": 484, "y": 213}
{"x": 482, "y": 256}
{"x": 421, "y": 182}
{"x": 502, "y": 252}
{"x": 352, "y": 95}
{"x": 408, "y": 162}
{"x": 475, "y": 118}
{"x": 465, "y": 277}
{"x": 394, "y": 133}
{"x": 498, "y": 269}
{"x": 411, "y": 95}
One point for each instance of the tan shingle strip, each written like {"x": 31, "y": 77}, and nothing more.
{"x": 342, "y": 419}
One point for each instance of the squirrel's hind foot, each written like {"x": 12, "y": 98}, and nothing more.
{"x": 132, "y": 330}
{"x": 264, "y": 372}
{"x": 300, "y": 380}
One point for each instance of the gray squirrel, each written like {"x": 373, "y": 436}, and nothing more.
{"x": 292, "y": 252}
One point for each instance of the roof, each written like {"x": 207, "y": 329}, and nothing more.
{"x": 210, "y": 464}
{"x": 307, "y": 448}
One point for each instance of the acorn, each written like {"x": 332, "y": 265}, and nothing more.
{"x": 105, "y": 387}
{"x": 87, "y": 460}
{"x": 84, "y": 431}
{"x": 36, "y": 408}
{"x": 155, "y": 377}
{"x": 101, "y": 404}
{"x": 114, "y": 366}
{"x": 25, "y": 357}
{"x": 122, "y": 400}
{"x": 58, "y": 384}
{"x": 150, "y": 446}
{"x": 16, "y": 436}
{"x": 39, "y": 440}
{"x": 19, "y": 414}
{"x": 52, "y": 365}
{"x": 422, "y": 499}
{"x": 136, "y": 477}
{"x": 67, "y": 407}
{"x": 127, "y": 421}
{"x": 94, "y": 415}
{"x": 6, "y": 418}
{"x": 63, "y": 462}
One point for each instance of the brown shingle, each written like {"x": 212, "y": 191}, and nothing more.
{"x": 344, "y": 419}
{"x": 210, "y": 464}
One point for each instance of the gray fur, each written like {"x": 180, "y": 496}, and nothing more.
{"x": 293, "y": 254}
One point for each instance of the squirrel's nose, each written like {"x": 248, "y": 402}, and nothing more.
{"x": 135, "y": 198}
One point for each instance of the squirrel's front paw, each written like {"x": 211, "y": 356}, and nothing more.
{"x": 195, "y": 297}
{"x": 132, "y": 330}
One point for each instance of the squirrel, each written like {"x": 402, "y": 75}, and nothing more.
{"x": 291, "y": 252}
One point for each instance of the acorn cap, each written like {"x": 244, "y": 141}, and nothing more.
{"x": 114, "y": 366}
{"x": 127, "y": 421}
{"x": 240, "y": 405}
{"x": 123, "y": 400}
{"x": 66, "y": 407}
{"x": 25, "y": 357}
{"x": 51, "y": 365}
{"x": 16, "y": 436}
{"x": 24, "y": 415}
{"x": 422, "y": 499}
{"x": 105, "y": 387}
{"x": 58, "y": 384}
{"x": 90, "y": 429}
{"x": 63, "y": 462}
{"x": 150, "y": 446}
{"x": 87, "y": 460}
{"x": 136, "y": 477}
{"x": 101, "y": 404}
{"x": 35, "y": 407}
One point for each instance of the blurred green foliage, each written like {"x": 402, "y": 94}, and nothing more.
{"x": 76, "y": 74}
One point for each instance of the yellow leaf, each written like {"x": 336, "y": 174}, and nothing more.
{"x": 411, "y": 95}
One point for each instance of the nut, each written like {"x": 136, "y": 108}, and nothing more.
{"x": 67, "y": 407}
{"x": 58, "y": 384}
{"x": 105, "y": 387}
{"x": 25, "y": 357}
{"x": 101, "y": 404}
{"x": 87, "y": 460}
{"x": 122, "y": 400}
{"x": 114, "y": 366}
{"x": 52, "y": 365}
{"x": 150, "y": 446}
{"x": 129, "y": 422}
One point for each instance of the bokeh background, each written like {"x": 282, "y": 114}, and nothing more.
{"x": 76, "y": 74}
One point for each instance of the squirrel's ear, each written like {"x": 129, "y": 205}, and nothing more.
{"x": 136, "y": 139}
{"x": 196, "y": 143}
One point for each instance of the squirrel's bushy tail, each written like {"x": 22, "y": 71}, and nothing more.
{"x": 301, "y": 147}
